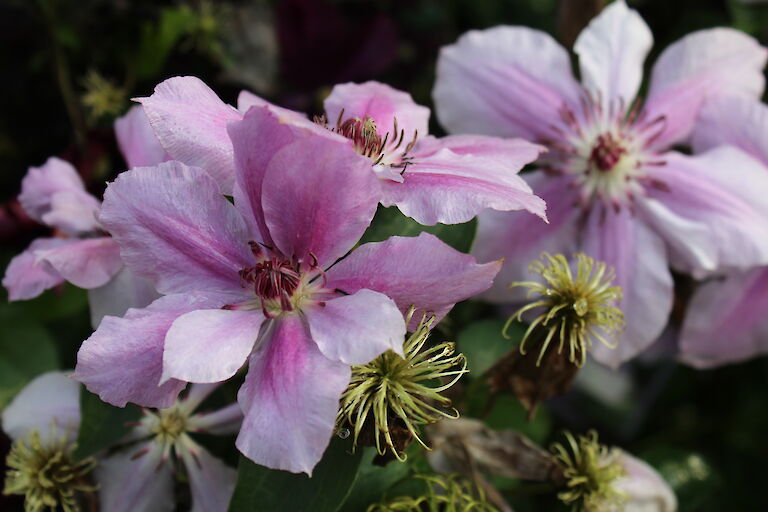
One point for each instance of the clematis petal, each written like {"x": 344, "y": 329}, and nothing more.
{"x": 740, "y": 122}
{"x": 176, "y": 229}
{"x": 357, "y": 328}
{"x": 123, "y": 360}
{"x": 442, "y": 185}
{"x": 643, "y": 487}
{"x": 381, "y": 103}
{"x": 222, "y": 422}
{"x": 417, "y": 271}
{"x": 48, "y": 399}
{"x": 520, "y": 239}
{"x": 290, "y": 399}
{"x": 333, "y": 196}
{"x": 638, "y": 256}
{"x": 209, "y": 345}
{"x": 124, "y": 291}
{"x": 132, "y": 483}
{"x": 611, "y": 53}
{"x": 247, "y": 99}
{"x": 211, "y": 481}
{"x": 726, "y": 321}
{"x": 190, "y": 121}
{"x": 26, "y": 277}
{"x": 255, "y": 140}
{"x": 87, "y": 263}
{"x": 504, "y": 81}
{"x": 704, "y": 64}
{"x": 137, "y": 140}
{"x": 712, "y": 210}
{"x": 54, "y": 194}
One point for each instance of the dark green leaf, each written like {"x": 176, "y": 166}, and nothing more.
{"x": 692, "y": 478}
{"x": 26, "y": 351}
{"x": 390, "y": 222}
{"x": 483, "y": 343}
{"x": 373, "y": 482}
{"x": 260, "y": 489}
{"x": 102, "y": 425}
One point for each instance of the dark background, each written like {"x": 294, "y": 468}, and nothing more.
{"x": 68, "y": 68}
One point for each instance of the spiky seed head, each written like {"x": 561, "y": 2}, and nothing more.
{"x": 46, "y": 474}
{"x": 576, "y": 308}
{"x": 590, "y": 471}
{"x": 408, "y": 389}
{"x": 452, "y": 493}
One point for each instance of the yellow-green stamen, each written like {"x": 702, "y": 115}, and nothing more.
{"x": 451, "y": 493}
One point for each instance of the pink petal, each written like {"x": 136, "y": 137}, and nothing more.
{"x": 639, "y": 258}
{"x": 707, "y": 63}
{"x": 726, "y": 321}
{"x": 26, "y": 277}
{"x": 712, "y": 212}
{"x": 190, "y": 122}
{"x": 738, "y": 121}
{"x": 332, "y": 195}
{"x": 421, "y": 271}
{"x": 222, "y": 422}
{"x": 136, "y": 484}
{"x": 448, "y": 187}
{"x": 505, "y": 81}
{"x": 176, "y": 229}
{"x": 122, "y": 292}
{"x": 357, "y": 328}
{"x": 256, "y": 139}
{"x": 520, "y": 238}
{"x": 87, "y": 263}
{"x": 290, "y": 399}
{"x": 209, "y": 345}
{"x": 137, "y": 140}
{"x": 247, "y": 99}
{"x": 211, "y": 481}
{"x": 644, "y": 488}
{"x": 55, "y": 195}
{"x": 123, "y": 360}
{"x": 611, "y": 53}
{"x": 49, "y": 399}
{"x": 381, "y": 103}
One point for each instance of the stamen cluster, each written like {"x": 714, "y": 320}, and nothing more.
{"x": 395, "y": 388}
{"x": 590, "y": 470}
{"x": 45, "y": 472}
{"x": 574, "y": 309}
{"x": 444, "y": 492}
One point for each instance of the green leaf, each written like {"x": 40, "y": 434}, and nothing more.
{"x": 390, "y": 222}
{"x": 261, "y": 489}
{"x": 373, "y": 482}
{"x": 157, "y": 40}
{"x": 53, "y": 304}
{"x": 695, "y": 482}
{"x": 483, "y": 343}
{"x": 102, "y": 425}
{"x": 26, "y": 351}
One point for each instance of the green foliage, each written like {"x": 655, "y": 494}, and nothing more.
{"x": 260, "y": 489}
{"x": 483, "y": 343}
{"x": 390, "y": 222}
{"x": 27, "y": 350}
{"x": 692, "y": 478}
{"x": 373, "y": 481}
{"x": 101, "y": 424}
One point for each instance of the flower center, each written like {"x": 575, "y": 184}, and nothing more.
{"x": 389, "y": 150}
{"x": 169, "y": 425}
{"x": 606, "y": 152}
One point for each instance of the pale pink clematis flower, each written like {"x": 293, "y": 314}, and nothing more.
{"x": 643, "y": 488}
{"x": 260, "y": 281}
{"x": 614, "y": 188}
{"x": 432, "y": 180}
{"x": 81, "y": 251}
{"x": 727, "y": 319}
{"x": 140, "y": 478}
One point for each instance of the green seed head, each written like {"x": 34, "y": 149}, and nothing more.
{"x": 450, "y": 493}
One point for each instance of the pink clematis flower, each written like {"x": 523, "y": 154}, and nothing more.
{"x": 259, "y": 281}
{"x": 81, "y": 251}
{"x": 727, "y": 319}
{"x": 614, "y": 187}
{"x": 433, "y": 180}
{"x": 140, "y": 477}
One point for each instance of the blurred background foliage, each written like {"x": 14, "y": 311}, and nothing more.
{"x": 70, "y": 67}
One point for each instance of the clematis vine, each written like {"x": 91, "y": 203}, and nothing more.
{"x": 260, "y": 281}
{"x": 615, "y": 188}
{"x": 430, "y": 179}
{"x": 726, "y": 319}
{"x": 80, "y": 250}
{"x": 160, "y": 443}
